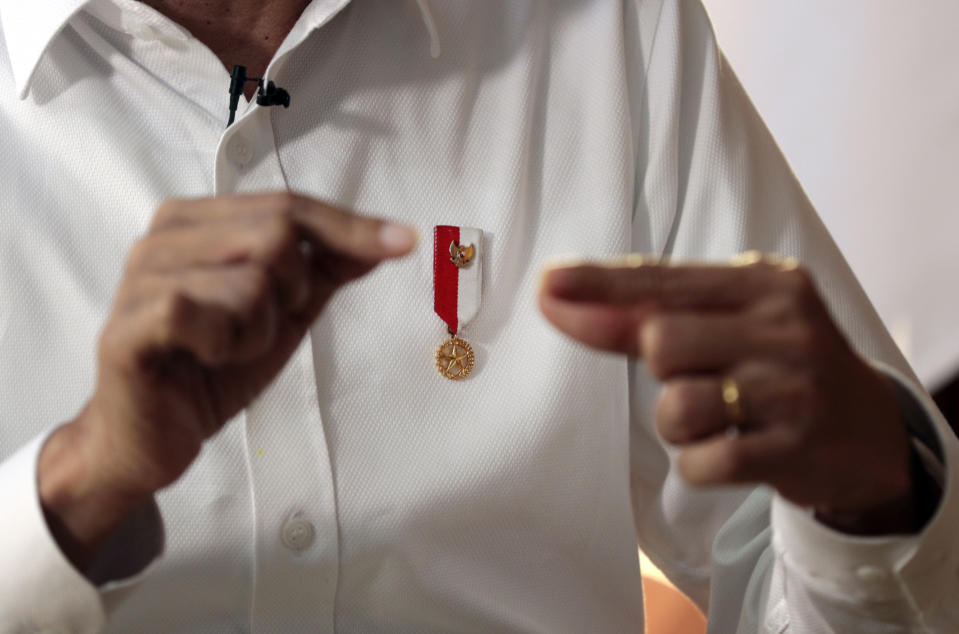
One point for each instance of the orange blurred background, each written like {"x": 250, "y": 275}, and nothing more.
{"x": 668, "y": 611}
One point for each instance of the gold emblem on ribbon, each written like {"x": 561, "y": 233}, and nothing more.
{"x": 461, "y": 255}
{"x": 455, "y": 359}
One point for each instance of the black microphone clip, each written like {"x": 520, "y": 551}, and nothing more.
{"x": 272, "y": 95}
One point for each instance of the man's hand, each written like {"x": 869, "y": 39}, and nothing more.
{"x": 215, "y": 299}
{"x": 819, "y": 424}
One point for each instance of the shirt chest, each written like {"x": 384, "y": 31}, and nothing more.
{"x": 504, "y": 141}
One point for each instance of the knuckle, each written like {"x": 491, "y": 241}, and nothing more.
{"x": 174, "y": 311}
{"x": 676, "y": 413}
{"x": 346, "y": 229}
{"x": 688, "y": 468}
{"x": 284, "y": 202}
{"x": 258, "y": 288}
{"x": 278, "y": 236}
{"x": 802, "y": 339}
{"x": 139, "y": 255}
{"x": 651, "y": 278}
{"x": 357, "y": 230}
{"x": 167, "y": 213}
{"x": 777, "y": 310}
{"x": 657, "y": 334}
{"x": 807, "y": 399}
{"x": 220, "y": 341}
{"x": 732, "y": 462}
{"x": 792, "y": 401}
{"x": 801, "y": 288}
{"x": 666, "y": 414}
{"x": 616, "y": 283}
{"x": 260, "y": 284}
{"x": 112, "y": 349}
{"x": 795, "y": 441}
{"x": 228, "y": 327}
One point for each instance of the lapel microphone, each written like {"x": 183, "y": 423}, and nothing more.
{"x": 270, "y": 95}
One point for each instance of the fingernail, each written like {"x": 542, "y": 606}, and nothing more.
{"x": 397, "y": 238}
{"x": 541, "y": 282}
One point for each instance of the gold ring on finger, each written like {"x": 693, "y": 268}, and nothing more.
{"x": 732, "y": 401}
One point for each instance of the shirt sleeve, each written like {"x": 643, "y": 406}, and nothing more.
{"x": 710, "y": 183}
{"x": 40, "y": 589}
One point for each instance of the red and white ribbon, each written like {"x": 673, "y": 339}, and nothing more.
{"x": 457, "y": 292}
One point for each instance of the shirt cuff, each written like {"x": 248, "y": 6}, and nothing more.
{"x": 916, "y": 568}
{"x": 39, "y": 587}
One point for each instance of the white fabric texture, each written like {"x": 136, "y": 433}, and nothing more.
{"x": 469, "y": 281}
{"x": 510, "y": 501}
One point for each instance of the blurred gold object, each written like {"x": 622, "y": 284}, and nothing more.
{"x": 789, "y": 264}
{"x": 731, "y": 397}
{"x": 746, "y": 259}
{"x": 633, "y": 261}
{"x": 752, "y": 257}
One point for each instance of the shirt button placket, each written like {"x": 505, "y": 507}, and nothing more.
{"x": 871, "y": 574}
{"x": 298, "y": 534}
{"x": 145, "y": 32}
{"x": 240, "y": 150}
{"x": 297, "y": 540}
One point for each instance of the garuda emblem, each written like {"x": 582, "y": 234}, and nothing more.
{"x": 461, "y": 256}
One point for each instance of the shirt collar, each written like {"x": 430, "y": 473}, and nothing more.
{"x": 29, "y": 26}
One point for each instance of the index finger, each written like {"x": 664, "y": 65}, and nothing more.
{"x": 349, "y": 234}
{"x": 326, "y": 227}
{"x": 679, "y": 287}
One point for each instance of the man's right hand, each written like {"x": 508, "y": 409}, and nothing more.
{"x": 214, "y": 301}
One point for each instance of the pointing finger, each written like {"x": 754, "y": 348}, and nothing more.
{"x": 667, "y": 286}
{"x": 329, "y": 228}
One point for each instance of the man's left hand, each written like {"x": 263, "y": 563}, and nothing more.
{"x": 812, "y": 418}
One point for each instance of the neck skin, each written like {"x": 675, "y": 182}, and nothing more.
{"x": 245, "y": 32}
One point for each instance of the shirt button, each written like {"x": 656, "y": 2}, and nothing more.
{"x": 240, "y": 150}
{"x": 145, "y": 32}
{"x": 297, "y": 534}
{"x": 871, "y": 574}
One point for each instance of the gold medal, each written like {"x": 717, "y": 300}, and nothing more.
{"x": 454, "y": 358}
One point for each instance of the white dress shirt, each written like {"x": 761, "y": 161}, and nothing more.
{"x": 362, "y": 491}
